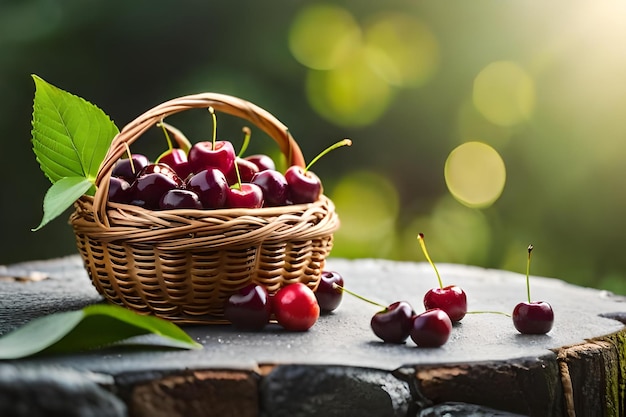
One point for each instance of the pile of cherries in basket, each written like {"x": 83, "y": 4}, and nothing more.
{"x": 211, "y": 176}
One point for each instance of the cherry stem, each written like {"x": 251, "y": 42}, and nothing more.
{"x": 530, "y": 249}
{"x": 130, "y": 158}
{"x": 167, "y": 135}
{"x": 489, "y": 312}
{"x": 337, "y": 286}
{"x": 214, "y": 125}
{"x": 345, "y": 142}
{"x": 420, "y": 238}
{"x": 246, "y": 140}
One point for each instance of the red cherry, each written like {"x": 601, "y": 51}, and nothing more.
{"x": 128, "y": 168}
{"x": 274, "y": 186}
{"x": 305, "y": 186}
{"x": 176, "y": 159}
{"x": 246, "y": 196}
{"x": 533, "y": 318}
{"x": 431, "y": 328}
{"x": 451, "y": 299}
{"x": 246, "y": 169}
{"x": 211, "y": 187}
{"x": 295, "y": 307}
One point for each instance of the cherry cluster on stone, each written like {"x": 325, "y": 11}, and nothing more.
{"x": 398, "y": 321}
{"x": 293, "y": 306}
{"x": 211, "y": 176}
{"x": 532, "y": 317}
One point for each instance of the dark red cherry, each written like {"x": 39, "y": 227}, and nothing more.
{"x": 148, "y": 189}
{"x": 211, "y": 186}
{"x": 305, "y": 186}
{"x": 161, "y": 168}
{"x": 274, "y": 186}
{"x": 394, "y": 323}
{"x": 119, "y": 190}
{"x": 431, "y": 328}
{"x": 129, "y": 168}
{"x": 328, "y": 295}
{"x": 180, "y": 199}
{"x": 249, "y": 308}
{"x": 451, "y": 299}
{"x": 536, "y": 317}
{"x": 262, "y": 161}
{"x": 246, "y": 171}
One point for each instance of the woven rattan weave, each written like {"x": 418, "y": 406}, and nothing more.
{"x": 182, "y": 265}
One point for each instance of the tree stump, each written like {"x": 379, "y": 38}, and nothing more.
{"x": 339, "y": 367}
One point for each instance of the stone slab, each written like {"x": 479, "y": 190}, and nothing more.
{"x": 342, "y": 337}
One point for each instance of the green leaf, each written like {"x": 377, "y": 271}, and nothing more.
{"x": 93, "y": 327}
{"x": 61, "y": 195}
{"x": 70, "y": 135}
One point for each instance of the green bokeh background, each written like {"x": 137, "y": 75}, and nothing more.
{"x": 563, "y": 152}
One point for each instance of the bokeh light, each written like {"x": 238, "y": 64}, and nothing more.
{"x": 401, "y": 49}
{"x": 322, "y": 36}
{"x": 368, "y": 205}
{"x": 351, "y": 95}
{"x": 475, "y": 174}
{"x": 504, "y": 93}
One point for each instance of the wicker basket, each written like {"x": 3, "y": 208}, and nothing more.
{"x": 182, "y": 265}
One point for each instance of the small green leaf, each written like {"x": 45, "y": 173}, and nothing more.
{"x": 70, "y": 135}
{"x": 93, "y": 327}
{"x": 61, "y": 195}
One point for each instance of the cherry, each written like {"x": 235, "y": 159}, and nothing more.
{"x": 152, "y": 182}
{"x": 532, "y": 317}
{"x": 212, "y": 154}
{"x": 262, "y": 161}
{"x": 249, "y": 308}
{"x": 245, "y": 195}
{"x": 305, "y": 186}
{"x": 180, "y": 199}
{"x": 119, "y": 190}
{"x": 128, "y": 168}
{"x": 431, "y": 328}
{"x": 450, "y": 299}
{"x": 246, "y": 170}
{"x": 176, "y": 159}
{"x": 393, "y": 323}
{"x": 328, "y": 295}
{"x": 211, "y": 186}
{"x": 274, "y": 186}
{"x": 295, "y": 307}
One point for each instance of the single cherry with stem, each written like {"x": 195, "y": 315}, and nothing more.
{"x": 393, "y": 323}
{"x": 451, "y": 299}
{"x": 212, "y": 154}
{"x": 532, "y": 317}
{"x": 176, "y": 158}
{"x": 243, "y": 195}
{"x": 305, "y": 186}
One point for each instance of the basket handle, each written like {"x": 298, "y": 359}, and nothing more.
{"x": 220, "y": 102}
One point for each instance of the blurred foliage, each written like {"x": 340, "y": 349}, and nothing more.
{"x": 485, "y": 125}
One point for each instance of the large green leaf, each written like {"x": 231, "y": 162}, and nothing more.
{"x": 61, "y": 195}
{"x": 95, "y": 326}
{"x": 70, "y": 135}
